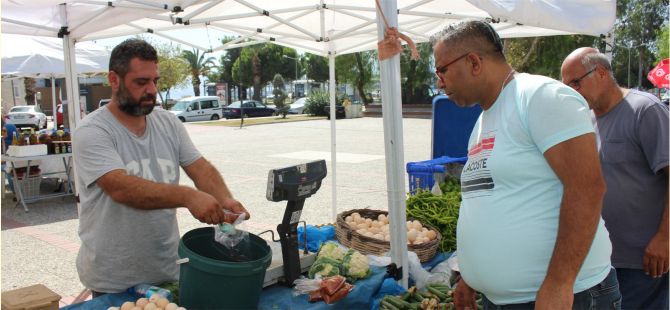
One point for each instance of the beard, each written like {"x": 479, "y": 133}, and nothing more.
{"x": 127, "y": 105}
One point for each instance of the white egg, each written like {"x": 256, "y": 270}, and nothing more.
{"x": 362, "y": 226}
{"x": 374, "y": 224}
{"x": 359, "y": 220}
{"x": 379, "y": 236}
{"x": 355, "y": 214}
{"x": 142, "y": 302}
{"x": 368, "y": 222}
{"x": 386, "y": 229}
{"x": 387, "y": 238}
{"x": 409, "y": 225}
{"x": 171, "y": 306}
{"x": 353, "y": 225}
{"x": 386, "y": 220}
{"x": 154, "y": 298}
{"x": 417, "y": 225}
{"x": 150, "y": 306}
{"x": 128, "y": 305}
{"x": 411, "y": 235}
{"x": 374, "y": 230}
{"x": 381, "y": 217}
{"x": 349, "y": 219}
{"x": 362, "y": 231}
{"x": 162, "y": 303}
{"x": 369, "y": 234}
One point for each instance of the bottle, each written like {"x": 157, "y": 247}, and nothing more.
{"x": 55, "y": 136}
{"x": 22, "y": 139}
{"x": 69, "y": 147}
{"x": 56, "y": 147}
{"x": 41, "y": 139}
{"x": 146, "y": 290}
{"x": 66, "y": 135}
{"x": 15, "y": 141}
{"x": 32, "y": 139}
{"x": 50, "y": 146}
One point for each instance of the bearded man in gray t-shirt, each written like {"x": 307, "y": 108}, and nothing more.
{"x": 127, "y": 159}
{"x": 632, "y": 135}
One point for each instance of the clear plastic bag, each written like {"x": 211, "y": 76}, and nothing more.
{"x": 306, "y": 285}
{"x": 236, "y": 241}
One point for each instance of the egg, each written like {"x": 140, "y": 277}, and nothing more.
{"x": 359, "y": 220}
{"x": 386, "y": 229}
{"x": 362, "y": 226}
{"x": 171, "y": 306}
{"x": 150, "y": 306}
{"x": 112, "y": 308}
{"x": 409, "y": 225}
{"x": 379, "y": 236}
{"x": 369, "y": 234}
{"x": 368, "y": 222}
{"x": 417, "y": 225}
{"x": 181, "y": 308}
{"x": 375, "y": 224}
{"x": 159, "y": 309}
{"x": 349, "y": 219}
{"x": 128, "y": 305}
{"x": 387, "y": 238}
{"x": 432, "y": 234}
{"x": 353, "y": 225}
{"x": 426, "y": 239}
{"x": 418, "y": 241}
{"x": 355, "y": 214}
{"x": 374, "y": 230}
{"x": 136, "y": 308}
{"x": 154, "y": 298}
{"x": 162, "y": 302}
{"x": 411, "y": 235}
{"x": 361, "y": 231}
{"x": 381, "y": 217}
{"x": 424, "y": 229}
{"x": 386, "y": 220}
{"x": 142, "y": 302}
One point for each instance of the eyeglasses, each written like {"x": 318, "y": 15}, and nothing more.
{"x": 440, "y": 69}
{"x": 575, "y": 83}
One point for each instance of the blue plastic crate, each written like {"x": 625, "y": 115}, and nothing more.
{"x": 421, "y": 173}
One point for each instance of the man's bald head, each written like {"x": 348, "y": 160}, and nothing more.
{"x": 590, "y": 58}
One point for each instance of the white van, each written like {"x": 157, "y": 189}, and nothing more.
{"x": 202, "y": 108}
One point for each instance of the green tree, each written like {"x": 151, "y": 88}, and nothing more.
{"x": 173, "y": 68}
{"x": 356, "y": 68}
{"x": 280, "y": 95}
{"x": 29, "y": 83}
{"x": 638, "y": 25}
{"x": 416, "y": 72}
{"x": 199, "y": 65}
{"x": 258, "y": 64}
{"x": 663, "y": 43}
{"x": 224, "y": 72}
{"x": 316, "y": 67}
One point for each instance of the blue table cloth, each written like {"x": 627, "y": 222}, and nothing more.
{"x": 365, "y": 295}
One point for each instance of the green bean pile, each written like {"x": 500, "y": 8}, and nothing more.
{"x": 439, "y": 211}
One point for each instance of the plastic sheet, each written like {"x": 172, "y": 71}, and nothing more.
{"x": 315, "y": 236}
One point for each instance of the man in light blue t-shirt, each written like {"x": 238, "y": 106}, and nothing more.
{"x": 632, "y": 137}
{"x": 530, "y": 235}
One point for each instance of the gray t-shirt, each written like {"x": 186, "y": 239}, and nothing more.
{"x": 123, "y": 246}
{"x": 633, "y": 147}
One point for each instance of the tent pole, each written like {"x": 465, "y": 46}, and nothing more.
{"x": 393, "y": 144}
{"x": 53, "y": 101}
{"x": 71, "y": 79}
{"x": 333, "y": 140}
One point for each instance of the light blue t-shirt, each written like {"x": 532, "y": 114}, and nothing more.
{"x": 508, "y": 220}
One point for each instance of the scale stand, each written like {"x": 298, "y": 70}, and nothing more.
{"x": 294, "y": 184}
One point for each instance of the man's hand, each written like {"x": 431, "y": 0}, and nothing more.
{"x": 205, "y": 208}
{"x": 656, "y": 256}
{"x": 235, "y": 207}
{"x": 554, "y": 297}
{"x": 464, "y": 297}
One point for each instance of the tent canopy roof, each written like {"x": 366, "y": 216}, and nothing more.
{"x": 316, "y": 26}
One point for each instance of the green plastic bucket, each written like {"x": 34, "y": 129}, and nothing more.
{"x": 210, "y": 280}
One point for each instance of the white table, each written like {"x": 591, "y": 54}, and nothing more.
{"x": 67, "y": 166}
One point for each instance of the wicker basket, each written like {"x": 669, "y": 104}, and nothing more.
{"x": 367, "y": 245}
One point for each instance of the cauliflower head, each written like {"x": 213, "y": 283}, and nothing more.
{"x": 326, "y": 266}
{"x": 330, "y": 250}
{"x": 356, "y": 266}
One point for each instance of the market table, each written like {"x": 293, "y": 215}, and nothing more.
{"x": 67, "y": 166}
{"x": 278, "y": 297}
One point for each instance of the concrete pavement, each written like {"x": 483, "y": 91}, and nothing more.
{"x": 40, "y": 246}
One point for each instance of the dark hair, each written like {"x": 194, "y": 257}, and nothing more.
{"x": 123, "y": 53}
{"x": 474, "y": 36}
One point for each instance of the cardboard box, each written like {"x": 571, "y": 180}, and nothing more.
{"x": 36, "y": 297}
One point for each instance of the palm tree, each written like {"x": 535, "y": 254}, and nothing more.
{"x": 199, "y": 66}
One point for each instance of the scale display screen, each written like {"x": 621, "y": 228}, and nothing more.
{"x": 296, "y": 182}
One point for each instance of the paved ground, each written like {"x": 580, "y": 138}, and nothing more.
{"x": 40, "y": 246}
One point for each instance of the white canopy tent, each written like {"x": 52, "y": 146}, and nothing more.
{"x": 30, "y": 56}
{"x": 326, "y": 28}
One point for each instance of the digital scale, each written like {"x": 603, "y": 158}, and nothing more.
{"x": 293, "y": 184}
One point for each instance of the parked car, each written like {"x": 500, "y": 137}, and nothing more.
{"x": 203, "y": 108}
{"x": 666, "y": 97}
{"x": 298, "y": 107}
{"x": 27, "y": 116}
{"x": 251, "y": 109}
{"x": 103, "y": 102}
